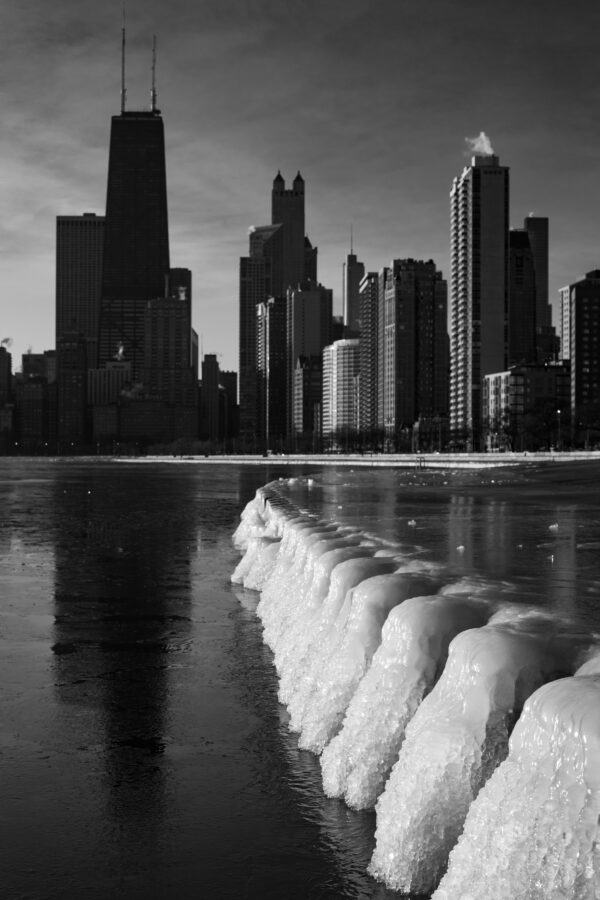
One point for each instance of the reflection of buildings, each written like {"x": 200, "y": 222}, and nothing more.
{"x": 121, "y": 604}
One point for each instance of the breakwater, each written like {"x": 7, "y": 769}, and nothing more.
{"x": 469, "y": 722}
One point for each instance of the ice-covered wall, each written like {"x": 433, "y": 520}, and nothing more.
{"x": 409, "y": 684}
{"x": 533, "y": 831}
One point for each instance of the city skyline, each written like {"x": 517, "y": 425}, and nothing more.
{"x": 372, "y": 107}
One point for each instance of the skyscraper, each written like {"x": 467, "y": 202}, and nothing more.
{"x": 537, "y": 229}
{"x": 479, "y": 202}
{"x": 369, "y": 312}
{"x": 79, "y": 254}
{"x": 287, "y": 210}
{"x": 584, "y": 340}
{"x": 271, "y": 369}
{"x": 280, "y": 256}
{"x": 414, "y": 352}
{"x": 341, "y": 361}
{"x": 353, "y": 273}
{"x": 136, "y": 243}
{"x": 308, "y": 330}
{"x": 522, "y": 300}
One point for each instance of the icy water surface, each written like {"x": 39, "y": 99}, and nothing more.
{"x": 143, "y": 752}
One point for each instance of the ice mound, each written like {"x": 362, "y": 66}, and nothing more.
{"x": 412, "y": 655}
{"x": 324, "y": 628}
{"x": 257, "y": 563}
{"x": 285, "y": 589}
{"x": 455, "y": 740}
{"x": 296, "y": 639}
{"x": 533, "y": 833}
{"x": 347, "y": 656}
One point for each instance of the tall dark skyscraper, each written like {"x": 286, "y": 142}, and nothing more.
{"x": 353, "y": 274}
{"x": 414, "y": 352}
{"x": 136, "y": 244}
{"x": 287, "y": 210}
{"x": 79, "y": 253}
{"x": 522, "y": 300}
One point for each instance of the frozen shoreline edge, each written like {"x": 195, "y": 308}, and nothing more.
{"x": 390, "y": 461}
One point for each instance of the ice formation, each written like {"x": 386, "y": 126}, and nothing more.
{"x": 457, "y": 737}
{"x": 353, "y": 640}
{"x": 533, "y": 833}
{"x": 409, "y": 683}
{"x": 406, "y": 665}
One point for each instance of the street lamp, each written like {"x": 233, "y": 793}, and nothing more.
{"x": 558, "y": 442}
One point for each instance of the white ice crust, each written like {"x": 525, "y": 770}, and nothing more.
{"x": 532, "y": 833}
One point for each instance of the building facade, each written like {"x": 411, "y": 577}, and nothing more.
{"x": 584, "y": 352}
{"x": 522, "y": 343}
{"x": 79, "y": 256}
{"x": 308, "y": 331}
{"x": 272, "y": 372}
{"x": 341, "y": 362}
{"x": 369, "y": 353}
{"x": 353, "y": 275}
{"x": 527, "y": 407}
{"x": 414, "y": 349}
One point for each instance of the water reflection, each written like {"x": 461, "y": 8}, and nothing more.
{"x": 122, "y": 591}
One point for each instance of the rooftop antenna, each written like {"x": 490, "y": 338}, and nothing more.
{"x": 351, "y": 240}
{"x": 123, "y": 88}
{"x": 153, "y": 91}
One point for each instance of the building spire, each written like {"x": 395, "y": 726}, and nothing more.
{"x": 123, "y": 88}
{"x": 153, "y": 91}
{"x": 351, "y": 240}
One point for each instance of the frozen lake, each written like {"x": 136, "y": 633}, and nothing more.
{"x": 143, "y": 750}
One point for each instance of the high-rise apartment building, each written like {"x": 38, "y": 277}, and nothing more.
{"x": 479, "y": 203}
{"x": 341, "y": 362}
{"x": 564, "y": 297}
{"x": 136, "y": 243}
{"x": 79, "y": 255}
{"x": 414, "y": 351}
{"x": 271, "y": 372}
{"x": 369, "y": 352}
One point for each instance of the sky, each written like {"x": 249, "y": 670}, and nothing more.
{"x": 371, "y": 100}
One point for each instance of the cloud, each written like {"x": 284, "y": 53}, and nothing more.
{"x": 480, "y": 145}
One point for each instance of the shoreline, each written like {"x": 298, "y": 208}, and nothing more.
{"x": 383, "y": 460}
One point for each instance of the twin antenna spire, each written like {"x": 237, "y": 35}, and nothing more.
{"x": 153, "y": 94}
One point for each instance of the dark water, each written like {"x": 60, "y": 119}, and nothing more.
{"x": 142, "y": 750}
